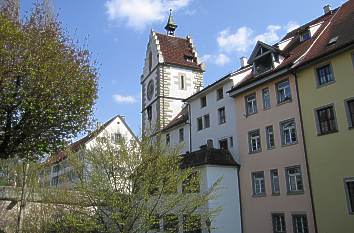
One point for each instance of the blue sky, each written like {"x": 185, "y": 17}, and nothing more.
{"x": 116, "y": 32}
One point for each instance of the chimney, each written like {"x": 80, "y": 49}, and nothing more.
{"x": 243, "y": 61}
{"x": 327, "y": 9}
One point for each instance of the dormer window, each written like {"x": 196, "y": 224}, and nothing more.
{"x": 264, "y": 58}
{"x": 306, "y": 35}
{"x": 188, "y": 58}
{"x": 263, "y": 63}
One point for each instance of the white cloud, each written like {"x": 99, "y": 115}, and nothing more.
{"x": 222, "y": 59}
{"x": 121, "y": 99}
{"x": 219, "y": 59}
{"x": 238, "y": 41}
{"x": 206, "y": 58}
{"x": 270, "y": 36}
{"x": 243, "y": 38}
{"x": 139, "y": 13}
{"x": 291, "y": 26}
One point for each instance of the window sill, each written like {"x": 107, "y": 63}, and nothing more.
{"x": 284, "y": 102}
{"x": 295, "y": 193}
{"x": 259, "y": 195}
{"x": 275, "y": 194}
{"x": 250, "y": 114}
{"x": 325, "y": 84}
{"x": 290, "y": 144}
{"x": 271, "y": 148}
{"x": 221, "y": 123}
{"x": 331, "y": 132}
{"x": 266, "y": 109}
{"x": 254, "y": 152}
{"x": 351, "y": 127}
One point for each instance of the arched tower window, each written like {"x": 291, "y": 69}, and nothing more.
{"x": 150, "y": 61}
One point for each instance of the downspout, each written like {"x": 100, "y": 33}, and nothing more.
{"x": 305, "y": 150}
{"x": 239, "y": 196}
{"x": 190, "y": 126}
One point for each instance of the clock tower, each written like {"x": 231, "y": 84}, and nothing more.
{"x": 172, "y": 72}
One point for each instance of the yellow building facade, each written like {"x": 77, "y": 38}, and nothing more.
{"x": 326, "y": 96}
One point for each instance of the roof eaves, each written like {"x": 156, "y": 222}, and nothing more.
{"x": 260, "y": 80}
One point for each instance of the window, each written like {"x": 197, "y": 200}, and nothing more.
{"x": 258, "y": 183}
{"x": 200, "y": 123}
{"x": 220, "y": 94}
{"x": 221, "y": 114}
{"x": 324, "y": 74}
{"x": 283, "y": 92}
{"x": 231, "y": 141}
{"x": 270, "y": 137}
{"x": 149, "y": 112}
{"x": 254, "y": 141}
{"x": 350, "y": 112}
{"x": 288, "y": 132}
{"x": 279, "y": 225}
{"x": 203, "y": 102}
{"x": 263, "y": 62}
{"x": 150, "y": 61}
{"x": 223, "y": 144}
{"x": 251, "y": 104}
{"x": 115, "y": 137}
{"x": 56, "y": 168}
{"x": 170, "y": 223}
{"x": 168, "y": 139}
{"x": 182, "y": 85}
{"x": 305, "y": 36}
{"x": 266, "y": 98}
{"x": 206, "y": 121}
{"x": 191, "y": 184}
{"x": 300, "y": 224}
{"x": 275, "y": 181}
{"x": 192, "y": 224}
{"x": 294, "y": 179}
{"x": 55, "y": 180}
{"x": 349, "y": 188}
{"x": 326, "y": 120}
{"x": 181, "y": 134}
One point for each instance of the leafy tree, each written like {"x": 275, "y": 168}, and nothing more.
{"x": 48, "y": 86}
{"x": 130, "y": 187}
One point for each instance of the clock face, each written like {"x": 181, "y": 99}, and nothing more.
{"x": 150, "y": 90}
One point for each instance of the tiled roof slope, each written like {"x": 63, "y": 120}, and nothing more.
{"x": 294, "y": 50}
{"x": 176, "y": 50}
{"x": 340, "y": 26}
{"x": 181, "y": 117}
{"x": 208, "y": 156}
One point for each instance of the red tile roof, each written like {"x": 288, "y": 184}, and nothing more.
{"x": 294, "y": 50}
{"x": 176, "y": 50}
{"x": 208, "y": 156}
{"x": 341, "y": 26}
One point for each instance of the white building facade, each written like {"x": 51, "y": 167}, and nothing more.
{"x": 60, "y": 173}
{"x": 213, "y": 114}
{"x": 172, "y": 85}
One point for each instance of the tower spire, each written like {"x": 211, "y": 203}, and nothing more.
{"x": 171, "y": 25}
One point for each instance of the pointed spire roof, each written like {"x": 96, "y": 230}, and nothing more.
{"x": 171, "y": 25}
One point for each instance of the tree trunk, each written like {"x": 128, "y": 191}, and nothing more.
{"x": 23, "y": 198}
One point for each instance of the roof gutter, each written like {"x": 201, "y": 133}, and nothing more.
{"x": 344, "y": 47}
{"x": 236, "y": 91}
